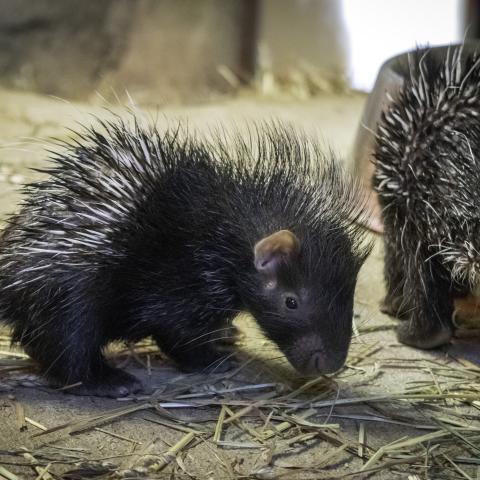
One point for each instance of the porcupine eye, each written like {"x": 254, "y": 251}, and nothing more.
{"x": 291, "y": 303}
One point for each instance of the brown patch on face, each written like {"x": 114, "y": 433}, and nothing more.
{"x": 272, "y": 250}
{"x": 467, "y": 309}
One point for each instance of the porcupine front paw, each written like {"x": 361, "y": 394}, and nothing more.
{"x": 113, "y": 383}
{"x": 211, "y": 360}
{"x": 423, "y": 337}
{"x": 206, "y": 353}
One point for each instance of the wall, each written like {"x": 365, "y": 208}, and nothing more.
{"x": 168, "y": 49}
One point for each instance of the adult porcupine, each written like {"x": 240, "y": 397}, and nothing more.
{"x": 137, "y": 233}
{"x": 428, "y": 181}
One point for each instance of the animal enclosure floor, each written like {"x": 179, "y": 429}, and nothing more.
{"x": 392, "y": 412}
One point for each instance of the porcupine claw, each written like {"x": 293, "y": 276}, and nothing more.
{"x": 436, "y": 336}
{"x": 116, "y": 385}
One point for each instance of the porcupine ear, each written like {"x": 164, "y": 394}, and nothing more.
{"x": 272, "y": 250}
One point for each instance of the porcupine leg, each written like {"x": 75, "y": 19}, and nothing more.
{"x": 67, "y": 345}
{"x": 200, "y": 348}
{"x": 394, "y": 303}
{"x": 429, "y": 322}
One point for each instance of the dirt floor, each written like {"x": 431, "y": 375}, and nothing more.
{"x": 392, "y": 412}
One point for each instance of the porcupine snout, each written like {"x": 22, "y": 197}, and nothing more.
{"x": 310, "y": 356}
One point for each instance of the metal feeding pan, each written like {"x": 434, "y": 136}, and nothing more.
{"x": 389, "y": 81}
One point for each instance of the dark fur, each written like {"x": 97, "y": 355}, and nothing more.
{"x": 137, "y": 233}
{"x": 428, "y": 181}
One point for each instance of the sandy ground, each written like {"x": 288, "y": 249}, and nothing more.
{"x": 131, "y": 443}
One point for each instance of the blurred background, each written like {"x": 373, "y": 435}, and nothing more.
{"x": 165, "y": 51}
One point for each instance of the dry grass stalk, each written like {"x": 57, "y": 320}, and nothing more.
{"x": 172, "y": 452}
{"x": 7, "y": 475}
{"x": 41, "y": 472}
{"x": 20, "y": 416}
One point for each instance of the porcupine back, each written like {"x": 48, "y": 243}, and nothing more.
{"x": 427, "y": 160}
{"x": 118, "y": 197}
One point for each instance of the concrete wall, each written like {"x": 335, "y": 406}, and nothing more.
{"x": 169, "y": 48}
{"x": 61, "y": 47}
{"x": 165, "y": 50}
{"x": 178, "y": 48}
{"x": 303, "y": 37}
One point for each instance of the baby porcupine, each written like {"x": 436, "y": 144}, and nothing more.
{"x": 138, "y": 233}
{"x": 428, "y": 180}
